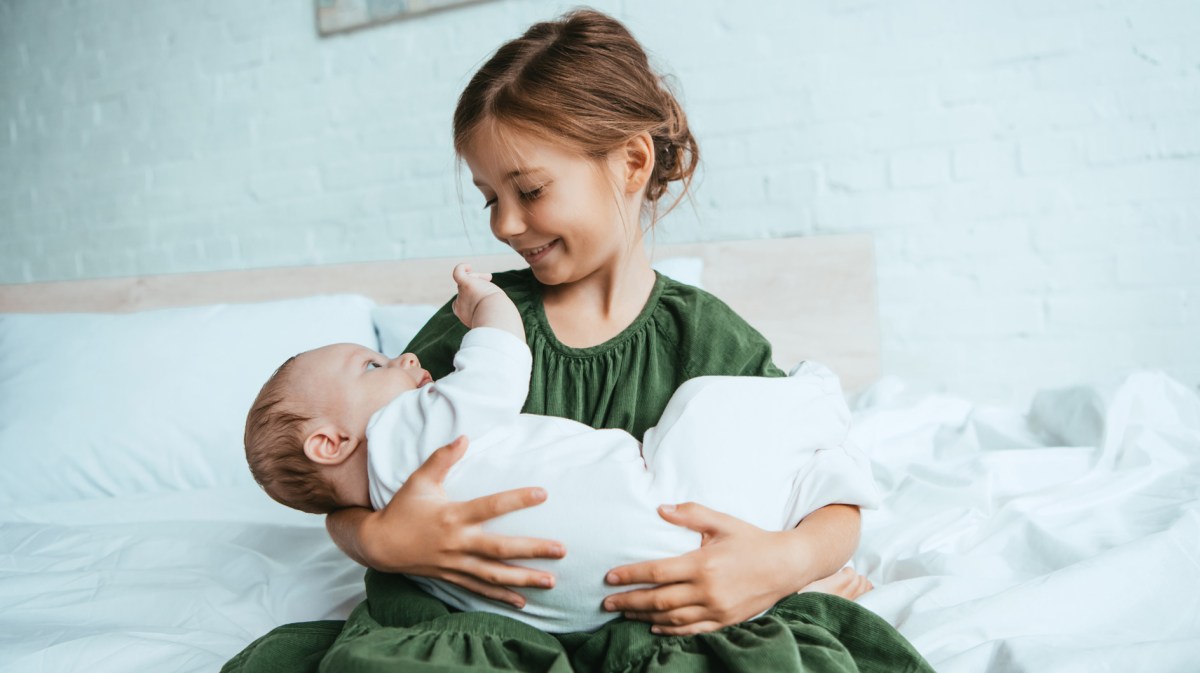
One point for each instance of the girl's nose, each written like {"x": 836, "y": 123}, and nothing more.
{"x": 407, "y": 360}
{"x": 507, "y": 222}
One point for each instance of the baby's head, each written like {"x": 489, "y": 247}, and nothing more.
{"x": 306, "y": 431}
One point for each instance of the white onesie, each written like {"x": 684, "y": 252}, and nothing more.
{"x": 765, "y": 450}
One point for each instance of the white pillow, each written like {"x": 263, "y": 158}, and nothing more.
{"x": 112, "y": 404}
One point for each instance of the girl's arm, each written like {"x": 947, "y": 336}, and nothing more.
{"x": 823, "y": 541}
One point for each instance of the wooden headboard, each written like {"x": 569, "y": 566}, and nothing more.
{"x": 813, "y": 298}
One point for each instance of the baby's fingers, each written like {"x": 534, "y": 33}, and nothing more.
{"x": 462, "y": 274}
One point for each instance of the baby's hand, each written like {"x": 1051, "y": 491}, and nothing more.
{"x": 473, "y": 288}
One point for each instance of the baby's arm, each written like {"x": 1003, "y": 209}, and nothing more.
{"x": 489, "y": 383}
{"x": 486, "y": 390}
{"x": 480, "y": 303}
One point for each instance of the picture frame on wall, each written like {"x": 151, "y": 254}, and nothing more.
{"x": 339, "y": 16}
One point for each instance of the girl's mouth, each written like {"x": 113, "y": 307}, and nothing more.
{"x": 536, "y": 254}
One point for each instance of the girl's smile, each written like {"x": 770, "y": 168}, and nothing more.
{"x": 534, "y": 255}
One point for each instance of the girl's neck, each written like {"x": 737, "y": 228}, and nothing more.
{"x": 592, "y": 310}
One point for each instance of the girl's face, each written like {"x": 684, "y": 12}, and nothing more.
{"x": 563, "y": 213}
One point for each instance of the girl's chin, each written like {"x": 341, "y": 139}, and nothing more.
{"x": 550, "y": 274}
{"x": 545, "y": 276}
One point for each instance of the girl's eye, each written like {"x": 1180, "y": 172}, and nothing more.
{"x": 491, "y": 202}
{"x": 533, "y": 193}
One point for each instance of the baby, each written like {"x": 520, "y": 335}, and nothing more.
{"x": 344, "y": 426}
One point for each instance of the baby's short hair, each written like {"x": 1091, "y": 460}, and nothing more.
{"x": 275, "y": 449}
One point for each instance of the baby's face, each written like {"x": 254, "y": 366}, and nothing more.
{"x": 348, "y": 382}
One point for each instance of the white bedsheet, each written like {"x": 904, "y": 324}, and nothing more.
{"x": 167, "y": 582}
{"x": 1065, "y": 539}
{"x": 1062, "y": 539}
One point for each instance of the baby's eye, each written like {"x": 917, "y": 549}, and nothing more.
{"x": 371, "y": 364}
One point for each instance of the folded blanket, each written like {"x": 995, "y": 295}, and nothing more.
{"x": 401, "y": 628}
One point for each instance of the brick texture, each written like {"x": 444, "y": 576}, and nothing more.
{"x": 1031, "y": 170}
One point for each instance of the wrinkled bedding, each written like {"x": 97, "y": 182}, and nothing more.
{"x": 1061, "y": 537}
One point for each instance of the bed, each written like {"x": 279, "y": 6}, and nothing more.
{"x": 1061, "y": 537}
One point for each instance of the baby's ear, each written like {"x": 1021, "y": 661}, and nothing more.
{"x": 326, "y": 445}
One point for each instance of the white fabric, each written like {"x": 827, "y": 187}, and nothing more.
{"x": 170, "y": 581}
{"x": 767, "y": 451}
{"x": 1066, "y": 539}
{"x": 98, "y": 405}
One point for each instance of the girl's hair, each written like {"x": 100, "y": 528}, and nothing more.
{"x": 585, "y": 82}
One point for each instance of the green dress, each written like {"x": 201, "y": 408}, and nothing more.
{"x": 682, "y": 332}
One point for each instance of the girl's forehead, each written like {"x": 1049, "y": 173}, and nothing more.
{"x": 495, "y": 147}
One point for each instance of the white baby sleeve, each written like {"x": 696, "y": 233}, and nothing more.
{"x": 838, "y": 473}
{"x": 486, "y": 390}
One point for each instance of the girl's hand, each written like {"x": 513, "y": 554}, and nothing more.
{"x": 421, "y": 532}
{"x": 739, "y": 571}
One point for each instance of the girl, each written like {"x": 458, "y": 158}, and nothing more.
{"x": 572, "y": 141}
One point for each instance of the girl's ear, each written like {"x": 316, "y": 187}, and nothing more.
{"x": 326, "y": 445}
{"x": 638, "y": 157}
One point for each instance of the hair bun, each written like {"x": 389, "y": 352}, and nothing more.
{"x": 676, "y": 150}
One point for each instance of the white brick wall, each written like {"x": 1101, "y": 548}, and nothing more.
{"x": 1031, "y": 169}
